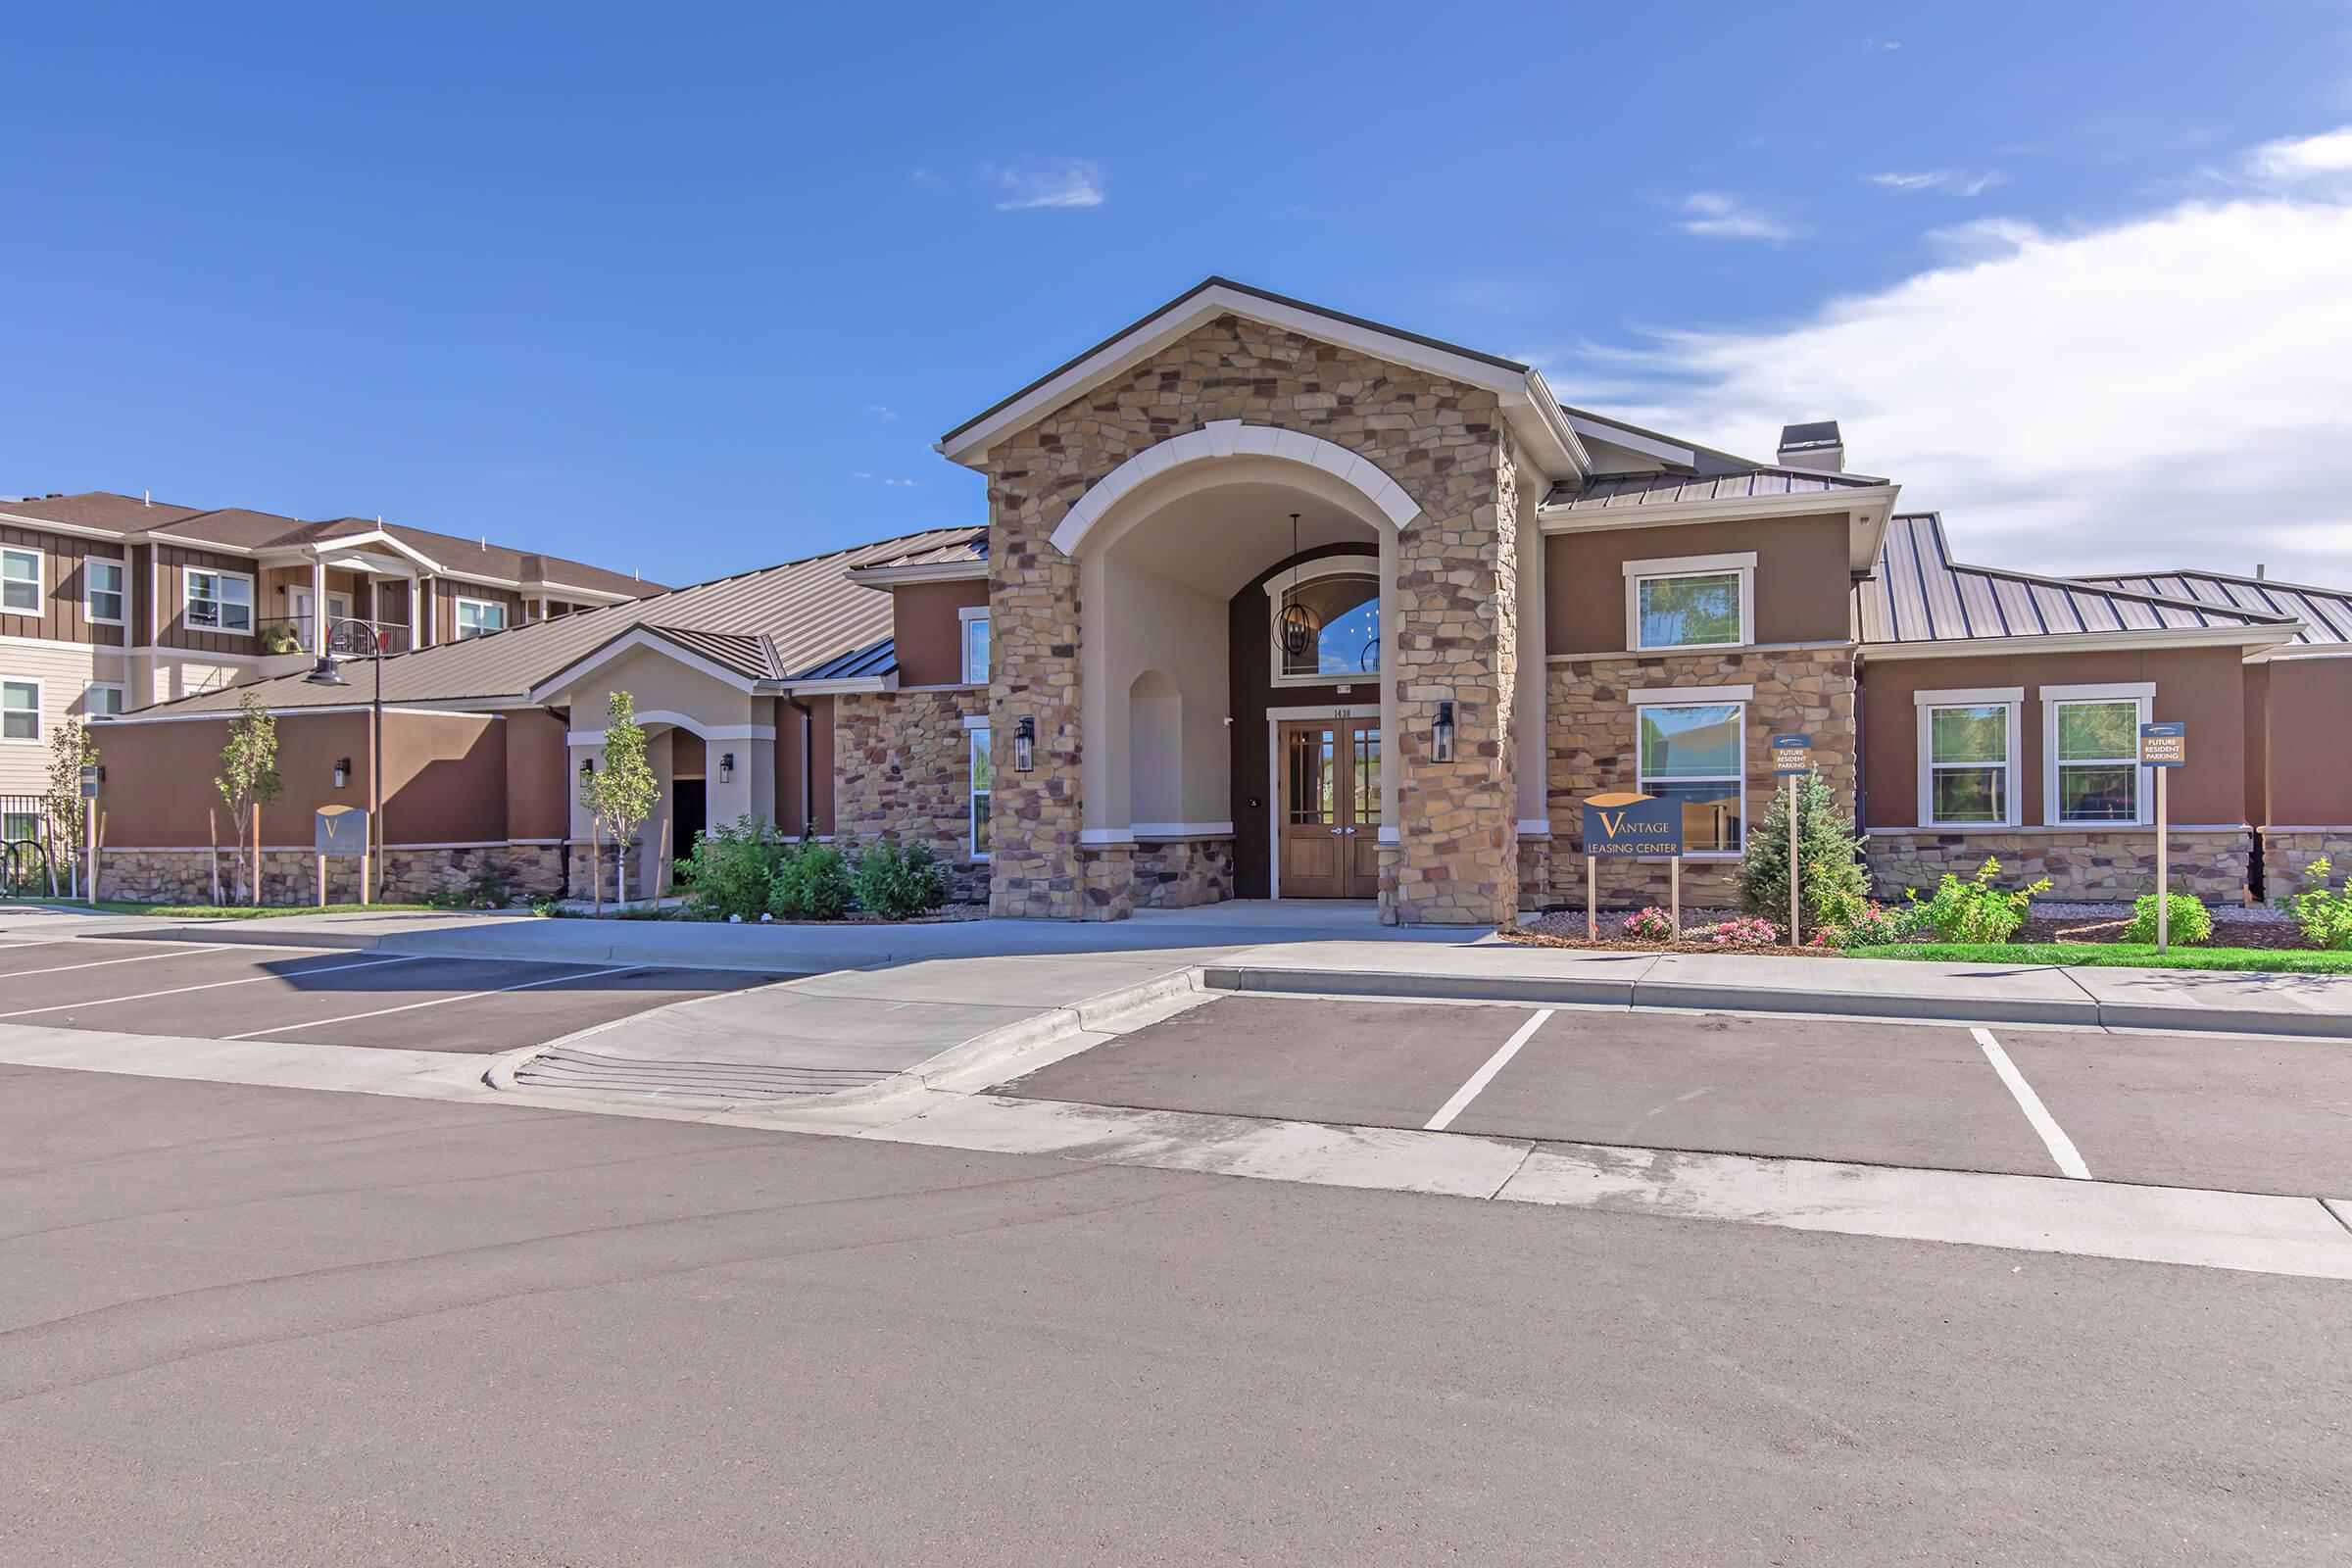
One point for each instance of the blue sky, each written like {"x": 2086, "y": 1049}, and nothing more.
{"x": 689, "y": 289}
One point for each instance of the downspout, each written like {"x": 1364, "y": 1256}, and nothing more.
{"x": 808, "y": 766}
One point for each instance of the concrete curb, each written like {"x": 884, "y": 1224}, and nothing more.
{"x": 1915, "y": 1007}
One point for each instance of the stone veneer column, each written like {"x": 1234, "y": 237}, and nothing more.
{"x": 1034, "y": 618}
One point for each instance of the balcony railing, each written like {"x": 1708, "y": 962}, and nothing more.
{"x": 291, "y": 634}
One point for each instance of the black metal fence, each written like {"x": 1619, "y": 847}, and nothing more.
{"x": 33, "y": 845}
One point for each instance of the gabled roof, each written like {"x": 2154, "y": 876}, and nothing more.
{"x": 101, "y": 509}
{"x": 1918, "y": 597}
{"x": 2325, "y": 613}
{"x": 800, "y": 617}
{"x": 1527, "y": 403}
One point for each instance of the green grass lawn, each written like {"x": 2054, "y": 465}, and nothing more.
{"x": 2117, "y": 954}
{"x": 215, "y": 911}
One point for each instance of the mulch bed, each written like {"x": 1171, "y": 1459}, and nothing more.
{"x": 1547, "y": 939}
{"x": 2227, "y": 932}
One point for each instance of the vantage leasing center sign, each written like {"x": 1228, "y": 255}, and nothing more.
{"x": 1627, "y": 826}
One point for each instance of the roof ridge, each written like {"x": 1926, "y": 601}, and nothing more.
{"x": 2222, "y": 576}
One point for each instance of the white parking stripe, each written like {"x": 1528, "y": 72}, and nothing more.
{"x": 213, "y": 985}
{"x": 435, "y": 1002}
{"x": 100, "y": 963}
{"x": 1484, "y": 1075}
{"x": 2053, "y": 1137}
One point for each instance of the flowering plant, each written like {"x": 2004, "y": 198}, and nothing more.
{"x": 1651, "y": 924}
{"x": 1748, "y": 930}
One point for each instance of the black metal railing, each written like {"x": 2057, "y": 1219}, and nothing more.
{"x": 291, "y": 634}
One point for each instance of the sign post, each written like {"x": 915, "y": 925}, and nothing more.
{"x": 1625, "y": 827}
{"x": 1792, "y": 759}
{"x": 89, "y": 811}
{"x": 340, "y": 830}
{"x": 2163, "y": 747}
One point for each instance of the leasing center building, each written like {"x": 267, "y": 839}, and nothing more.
{"x": 1273, "y": 602}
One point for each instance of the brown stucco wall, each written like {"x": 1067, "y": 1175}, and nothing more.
{"x": 1801, "y": 578}
{"x": 2310, "y": 749}
{"x": 928, "y": 631}
{"x": 787, "y": 765}
{"x": 2201, "y": 687}
{"x": 539, "y": 779}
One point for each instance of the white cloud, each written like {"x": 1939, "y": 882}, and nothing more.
{"x": 882, "y": 408}
{"x": 1948, "y": 180}
{"x": 1061, "y": 182}
{"x": 2166, "y": 390}
{"x": 2298, "y": 159}
{"x": 1715, "y": 215}
{"x": 902, "y": 485}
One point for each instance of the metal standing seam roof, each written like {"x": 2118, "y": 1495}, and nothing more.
{"x": 804, "y": 615}
{"x": 1617, "y": 492}
{"x": 2325, "y": 613}
{"x": 1920, "y": 595}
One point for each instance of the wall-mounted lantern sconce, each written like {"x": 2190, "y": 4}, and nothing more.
{"x": 587, "y": 767}
{"x": 1441, "y": 734}
{"x": 726, "y": 767}
{"x": 342, "y": 771}
{"x": 1024, "y": 746}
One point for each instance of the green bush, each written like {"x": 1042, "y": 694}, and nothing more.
{"x": 894, "y": 883}
{"x": 811, "y": 883}
{"x": 732, "y": 867}
{"x": 1978, "y": 910}
{"x": 1837, "y": 886}
{"x": 2191, "y": 925}
{"x": 2324, "y": 916}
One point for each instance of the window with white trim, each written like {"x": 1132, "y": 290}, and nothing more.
{"x": 2094, "y": 759}
{"x": 478, "y": 617}
{"x": 1326, "y": 621}
{"x": 1695, "y": 756}
{"x": 1968, "y": 759}
{"x": 218, "y": 601}
{"x": 975, "y": 646}
{"x": 984, "y": 778}
{"x": 21, "y": 711}
{"x": 102, "y": 590}
{"x": 1690, "y": 601}
{"x": 20, "y": 580}
{"x": 102, "y": 700}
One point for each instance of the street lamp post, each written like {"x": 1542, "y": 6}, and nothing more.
{"x": 324, "y": 673}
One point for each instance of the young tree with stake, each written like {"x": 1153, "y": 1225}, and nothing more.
{"x": 72, "y": 748}
{"x": 248, "y": 778}
{"x": 623, "y": 793}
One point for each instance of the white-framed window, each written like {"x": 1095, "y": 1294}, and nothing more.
{"x": 2091, "y": 754}
{"x": 1332, "y": 630}
{"x": 102, "y": 700}
{"x": 102, "y": 590}
{"x": 1695, "y": 753}
{"x": 1968, "y": 756}
{"x": 478, "y": 617}
{"x": 217, "y": 601}
{"x": 975, "y": 644}
{"x": 984, "y": 778}
{"x": 1690, "y": 601}
{"x": 20, "y": 580}
{"x": 21, "y": 712}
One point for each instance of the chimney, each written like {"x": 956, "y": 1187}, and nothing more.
{"x": 2260, "y": 571}
{"x": 1817, "y": 446}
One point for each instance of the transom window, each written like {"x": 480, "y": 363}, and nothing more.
{"x": 478, "y": 617}
{"x": 1968, "y": 751}
{"x": 219, "y": 602}
{"x": 984, "y": 778}
{"x": 20, "y": 710}
{"x": 103, "y": 582}
{"x": 2096, "y": 758}
{"x": 1335, "y": 632}
{"x": 21, "y": 581}
{"x": 975, "y": 647}
{"x": 1692, "y": 755}
{"x": 1690, "y": 602}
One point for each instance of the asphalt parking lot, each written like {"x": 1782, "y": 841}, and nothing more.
{"x": 2240, "y": 1114}
{"x": 330, "y": 995}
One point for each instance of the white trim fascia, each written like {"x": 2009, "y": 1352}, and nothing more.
{"x": 1527, "y": 403}
{"x": 1641, "y": 514}
{"x": 380, "y": 536}
{"x": 846, "y": 686}
{"x": 635, "y": 638}
{"x": 2096, "y": 691}
{"x": 677, "y": 720}
{"x": 2012, "y": 701}
{"x": 1692, "y": 565}
{"x": 10, "y": 641}
{"x": 1589, "y": 428}
{"x": 2085, "y": 642}
{"x": 1097, "y": 836}
{"x": 2143, "y": 794}
{"x": 1648, "y": 696}
{"x": 921, "y": 572}
{"x": 72, "y": 531}
{"x": 1161, "y": 831}
{"x": 1348, "y": 563}
{"x": 198, "y": 655}
{"x": 1535, "y": 827}
{"x": 215, "y": 713}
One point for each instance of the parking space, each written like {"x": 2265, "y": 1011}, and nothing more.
{"x": 332, "y": 996}
{"x": 2239, "y": 1114}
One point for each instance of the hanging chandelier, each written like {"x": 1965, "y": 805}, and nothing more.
{"x": 1297, "y": 628}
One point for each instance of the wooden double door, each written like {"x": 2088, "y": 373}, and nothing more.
{"x": 1328, "y": 813}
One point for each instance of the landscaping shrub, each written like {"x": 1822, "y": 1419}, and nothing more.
{"x": 2324, "y": 916}
{"x": 2191, "y": 925}
{"x": 1835, "y": 882}
{"x": 1652, "y": 924}
{"x": 732, "y": 868}
{"x": 811, "y": 883}
{"x": 894, "y": 883}
{"x": 1978, "y": 910}
{"x": 1877, "y": 925}
{"x": 1746, "y": 931}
